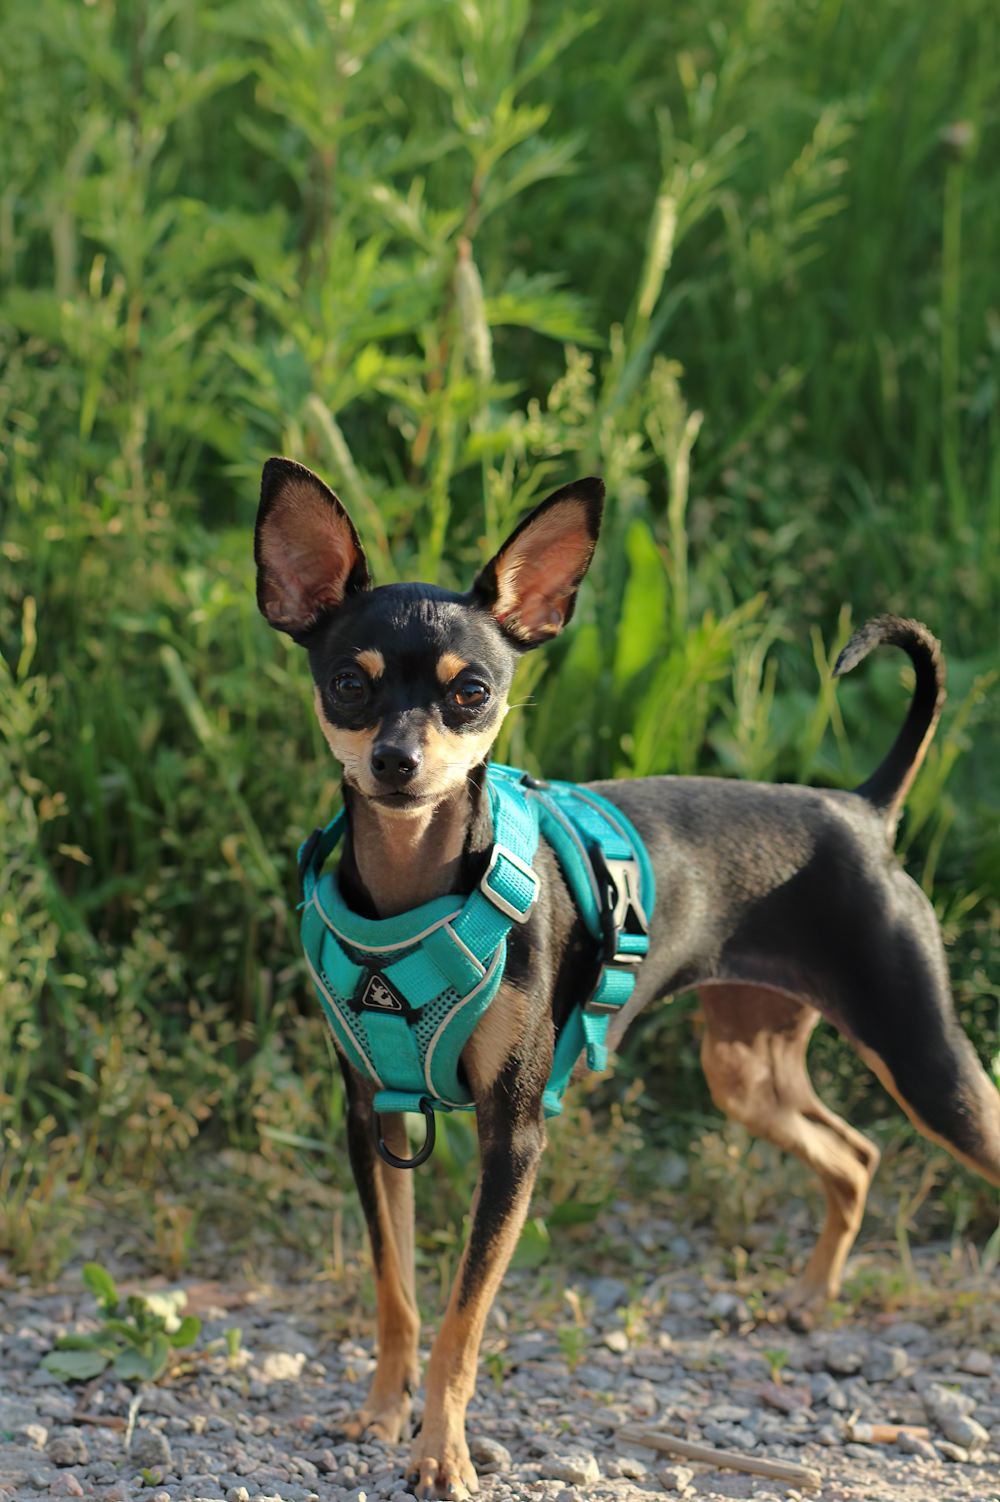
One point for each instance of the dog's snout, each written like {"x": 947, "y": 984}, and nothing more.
{"x": 395, "y": 766}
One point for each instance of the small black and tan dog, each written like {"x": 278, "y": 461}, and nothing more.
{"x": 781, "y": 904}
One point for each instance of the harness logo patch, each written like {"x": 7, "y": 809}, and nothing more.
{"x": 381, "y": 996}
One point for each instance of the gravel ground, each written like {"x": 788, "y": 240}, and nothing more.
{"x": 683, "y": 1353}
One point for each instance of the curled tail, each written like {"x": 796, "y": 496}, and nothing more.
{"x": 889, "y": 784}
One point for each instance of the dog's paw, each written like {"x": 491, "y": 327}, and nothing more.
{"x": 389, "y": 1422}
{"x": 448, "y": 1480}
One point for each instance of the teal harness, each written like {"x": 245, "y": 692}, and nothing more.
{"x": 403, "y": 995}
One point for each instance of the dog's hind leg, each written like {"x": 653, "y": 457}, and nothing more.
{"x": 386, "y": 1196}
{"x": 754, "y": 1057}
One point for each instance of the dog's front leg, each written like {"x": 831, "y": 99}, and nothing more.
{"x": 387, "y": 1200}
{"x": 510, "y": 1144}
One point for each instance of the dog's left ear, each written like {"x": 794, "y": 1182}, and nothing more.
{"x": 530, "y": 586}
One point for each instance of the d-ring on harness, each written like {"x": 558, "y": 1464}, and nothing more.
{"x": 403, "y": 995}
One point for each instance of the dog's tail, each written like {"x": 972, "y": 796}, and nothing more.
{"x": 889, "y": 784}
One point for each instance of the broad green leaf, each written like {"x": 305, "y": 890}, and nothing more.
{"x": 148, "y": 1365}
{"x": 575, "y": 1212}
{"x": 642, "y": 626}
{"x": 190, "y": 1327}
{"x": 75, "y": 1366}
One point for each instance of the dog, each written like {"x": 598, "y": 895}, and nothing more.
{"x": 778, "y": 903}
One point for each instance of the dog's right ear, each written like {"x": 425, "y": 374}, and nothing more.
{"x": 309, "y": 557}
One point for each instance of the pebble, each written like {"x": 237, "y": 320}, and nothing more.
{"x": 607, "y": 1294}
{"x": 910, "y": 1444}
{"x": 489, "y": 1456}
{"x": 150, "y": 1448}
{"x": 66, "y": 1485}
{"x": 676, "y": 1478}
{"x": 67, "y": 1448}
{"x": 33, "y": 1435}
{"x": 957, "y": 1453}
{"x": 577, "y": 1468}
{"x": 977, "y": 1363}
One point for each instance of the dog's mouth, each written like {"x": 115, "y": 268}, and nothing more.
{"x": 403, "y": 800}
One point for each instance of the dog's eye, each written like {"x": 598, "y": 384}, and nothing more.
{"x": 348, "y": 688}
{"x": 469, "y": 695}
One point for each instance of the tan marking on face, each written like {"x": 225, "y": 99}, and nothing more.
{"x": 537, "y": 574}
{"x": 449, "y": 666}
{"x": 352, "y": 748}
{"x": 497, "y": 1033}
{"x": 448, "y": 757}
{"x": 372, "y": 661}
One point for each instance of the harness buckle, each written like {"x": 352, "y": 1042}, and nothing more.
{"x": 624, "y": 925}
{"x": 500, "y": 902}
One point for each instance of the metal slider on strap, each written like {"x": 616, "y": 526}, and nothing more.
{"x": 499, "y": 855}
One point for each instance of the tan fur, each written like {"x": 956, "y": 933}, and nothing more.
{"x": 448, "y": 758}
{"x": 984, "y": 1109}
{"x": 538, "y": 573}
{"x": 498, "y": 1033}
{"x": 753, "y": 1054}
{"x": 404, "y": 862}
{"x": 352, "y": 748}
{"x": 386, "y": 1410}
{"x": 372, "y": 662}
{"x": 440, "y": 1457}
{"x": 307, "y": 551}
{"x": 449, "y": 666}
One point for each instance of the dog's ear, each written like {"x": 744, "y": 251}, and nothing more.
{"x": 530, "y": 586}
{"x": 309, "y": 557}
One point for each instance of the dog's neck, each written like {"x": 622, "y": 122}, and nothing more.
{"x": 393, "y": 863}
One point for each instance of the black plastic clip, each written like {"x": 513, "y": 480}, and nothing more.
{"x": 425, "y": 1151}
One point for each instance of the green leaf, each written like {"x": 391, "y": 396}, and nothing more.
{"x": 127, "y": 1332}
{"x": 99, "y": 1342}
{"x": 576, "y": 1212}
{"x": 101, "y": 1285}
{"x": 188, "y": 1333}
{"x": 148, "y": 1364}
{"x": 534, "y": 1245}
{"x": 75, "y": 1366}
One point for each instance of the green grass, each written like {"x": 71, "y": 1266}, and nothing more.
{"x": 739, "y": 258}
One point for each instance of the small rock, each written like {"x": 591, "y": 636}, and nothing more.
{"x": 150, "y": 1448}
{"x": 965, "y": 1431}
{"x": 67, "y": 1448}
{"x": 682, "y": 1302}
{"x": 676, "y": 1478}
{"x": 722, "y": 1305}
{"x": 978, "y": 1363}
{"x": 281, "y": 1366}
{"x": 323, "y": 1460}
{"x": 66, "y": 1485}
{"x": 680, "y": 1249}
{"x": 117, "y": 1492}
{"x": 161, "y": 1497}
{"x": 825, "y": 1390}
{"x": 844, "y": 1355}
{"x": 884, "y": 1362}
{"x": 38, "y": 1480}
{"x": 607, "y": 1294}
{"x": 632, "y": 1467}
{"x": 576, "y": 1468}
{"x": 957, "y": 1453}
{"x": 489, "y": 1456}
{"x": 32, "y": 1436}
{"x": 235, "y": 1494}
{"x": 911, "y": 1445}
{"x": 864, "y": 1452}
{"x": 827, "y": 1435}
{"x": 617, "y": 1341}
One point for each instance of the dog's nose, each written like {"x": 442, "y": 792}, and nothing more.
{"x": 395, "y": 766}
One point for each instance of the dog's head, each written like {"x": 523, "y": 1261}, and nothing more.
{"x": 411, "y": 680}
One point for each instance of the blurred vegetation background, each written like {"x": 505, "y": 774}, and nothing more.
{"x": 737, "y": 256}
